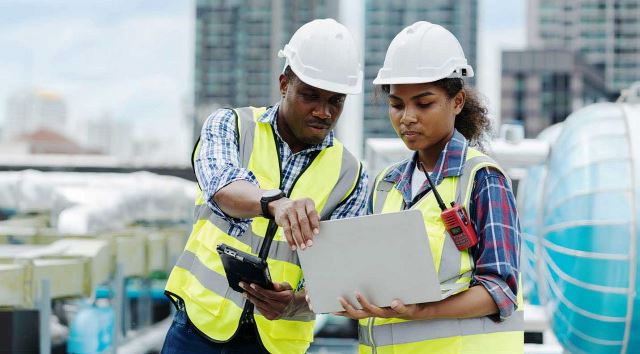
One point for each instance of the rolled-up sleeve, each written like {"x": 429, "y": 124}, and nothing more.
{"x": 217, "y": 163}
{"x": 493, "y": 208}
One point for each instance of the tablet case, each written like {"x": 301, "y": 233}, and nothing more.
{"x": 242, "y": 266}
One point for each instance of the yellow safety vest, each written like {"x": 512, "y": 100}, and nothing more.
{"x": 199, "y": 277}
{"x": 450, "y": 336}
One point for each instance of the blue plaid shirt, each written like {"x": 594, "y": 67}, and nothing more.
{"x": 217, "y": 165}
{"x": 493, "y": 210}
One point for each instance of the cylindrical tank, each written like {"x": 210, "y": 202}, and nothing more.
{"x": 529, "y": 207}
{"x": 590, "y": 230}
{"x": 529, "y": 193}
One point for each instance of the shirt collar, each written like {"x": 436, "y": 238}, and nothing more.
{"x": 270, "y": 115}
{"x": 450, "y": 163}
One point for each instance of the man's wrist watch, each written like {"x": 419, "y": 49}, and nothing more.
{"x": 268, "y": 197}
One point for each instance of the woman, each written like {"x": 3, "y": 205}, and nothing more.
{"x": 440, "y": 119}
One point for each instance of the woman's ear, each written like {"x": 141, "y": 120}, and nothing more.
{"x": 458, "y": 102}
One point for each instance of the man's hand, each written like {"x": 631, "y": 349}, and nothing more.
{"x": 298, "y": 219}
{"x": 272, "y": 304}
{"x": 397, "y": 310}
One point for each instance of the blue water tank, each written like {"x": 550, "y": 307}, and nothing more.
{"x": 91, "y": 331}
{"x": 529, "y": 194}
{"x": 529, "y": 205}
{"x": 591, "y": 207}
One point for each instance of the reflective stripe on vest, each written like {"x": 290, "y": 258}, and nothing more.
{"x": 417, "y": 331}
{"x": 207, "y": 277}
{"x": 279, "y": 248}
{"x": 454, "y": 272}
{"x": 217, "y": 282}
{"x": 199, "y": 278}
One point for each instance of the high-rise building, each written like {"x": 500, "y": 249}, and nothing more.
{"x": 32, "y": 110}
{"x": 237, "y": 42}
{"x": 383, "y": 20}
{"x": 605, "y": 32}
{"x": 109, "y": 136}
{"x": 541, "y": 87}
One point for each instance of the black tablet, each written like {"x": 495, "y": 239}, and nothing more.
{"x": 242, "y": 266}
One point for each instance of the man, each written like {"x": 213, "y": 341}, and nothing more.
{"x": 261, "y": 170}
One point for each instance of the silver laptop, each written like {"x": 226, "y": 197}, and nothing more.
{"x": 383, "y": 256}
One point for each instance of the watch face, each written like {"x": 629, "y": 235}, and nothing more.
{"x": 271, "y": 193}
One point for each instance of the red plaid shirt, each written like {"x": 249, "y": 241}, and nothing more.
{"x": 493, "y": 211}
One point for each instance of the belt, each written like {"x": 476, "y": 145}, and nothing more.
{"x": 247, "y": 330}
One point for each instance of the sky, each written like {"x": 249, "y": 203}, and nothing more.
{"x": 502, "y": 26}
{"x": 133, "y": 59}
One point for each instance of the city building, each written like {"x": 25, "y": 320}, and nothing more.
{"x": 605, "y": 32}
{"x": 236, "y": 48}
{"x": 109, "y": 136}
{"x": 541, "y": 87}
{"x": 383, "y": 20}
{"x": 31, "y": 110}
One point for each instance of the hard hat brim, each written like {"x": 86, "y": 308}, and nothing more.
{"x": 351, "y": 89}
{"x": 334, "y": 87}
{"x": 391, "y": 80}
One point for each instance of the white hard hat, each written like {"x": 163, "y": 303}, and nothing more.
{"x": 423, "y": 52}
{"x": 323, "y": 54}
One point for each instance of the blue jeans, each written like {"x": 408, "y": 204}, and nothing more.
{"x": 183, "y": 337}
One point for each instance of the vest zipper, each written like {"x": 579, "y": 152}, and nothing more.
{"x": 370, "y": 330}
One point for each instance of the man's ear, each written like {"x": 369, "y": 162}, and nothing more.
{"x": 458, "y": 102}
{"x": 284, "y": 84}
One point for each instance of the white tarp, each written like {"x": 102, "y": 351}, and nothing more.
{"x": 82, "y": 203}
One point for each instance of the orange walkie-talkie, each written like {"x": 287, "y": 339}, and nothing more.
{"x": 455, "y": 220}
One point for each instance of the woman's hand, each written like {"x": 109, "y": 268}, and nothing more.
{"x": 397, "y": 309}
{"x": 473, "y": 302}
